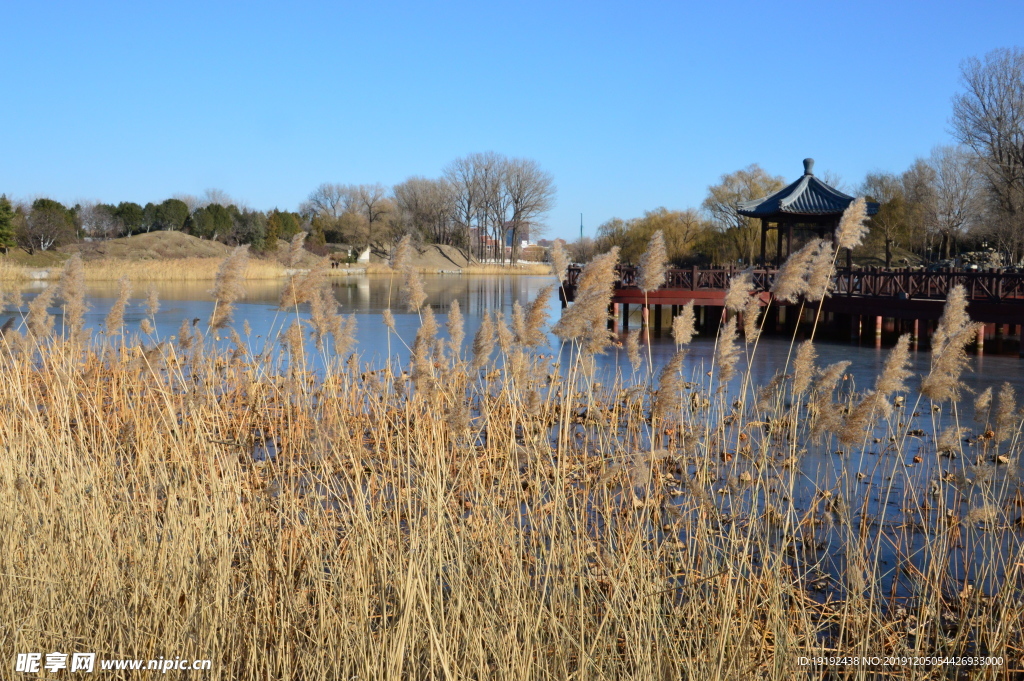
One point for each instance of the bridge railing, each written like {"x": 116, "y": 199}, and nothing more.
{"x": 996, "y": 286}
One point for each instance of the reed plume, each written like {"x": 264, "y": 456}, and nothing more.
{"x": 791, "y": 280}
{"x": 752, "y": 319}
{"x": 389, "y": 320}
{"x": 456, "y": 329}
{"x": 653, "y": 264}
{"x": 537, "y": 318}
{"x": 803, "y": 367}
{"x": 228, "y": 286}
{"x": 819, "y": 272}
{"x": 728, "y": 352}
{"x": 344, "y": 334}
{"x": 401, "y": 253}
{"x": 860, "y": 422}
{"x": 1006, "y": 413}
{"x": 72, "y": 291}
{"x": 684, "y": 326}
{"x": 323, "y": 315}
{"x": 982, "y": 404}
{"x": 559, "y": 261}
{"x": 39, "y": 319}
{"x": 852, "y": 228}
{"x": 146, "y": 326}
{"x": 304, "y": 287}
{"x": 826, "y": 415}
{"x": 503, "y": 333}
{"x": 894, "y": 375}
{"x": 420, "y": 354}
{"x": 291, "y": 339}
{"x": 949, "y": 354}
{"x": 483, "y": 343}
{"x": 295, "y": 249}
{"x": 518, "y": 322}
{"x": 411, "y": 294}
{"x": 185, "y": 335}
{"x": 633, "y": 348}
{"x": 668, "y": 398}
{"x": 115, "y": 318}
{"x": 739, "y": 292}
{"x": 152, "y": 301}
{"x": 586, "y": 320}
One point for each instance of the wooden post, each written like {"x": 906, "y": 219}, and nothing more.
{"x": 981, "y": 340}
{"x": 615, "y": 318}
{"x": 764, "y": 241}
{"x": 625, "y": 317}
{"x": 657, "y": 320}
{"x": 915, "y": 336}
{"x": 878, "y": 331}
{"x": 789, "y": 240}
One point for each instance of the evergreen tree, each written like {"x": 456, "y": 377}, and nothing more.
{"x": 6, "y": 223}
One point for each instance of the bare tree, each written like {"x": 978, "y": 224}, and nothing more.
{"x": 890, "y": 223}
{"x": 744, "y": 233}
{"x": 329, "y": 199}
{"x": 988, "y": 118}
{"x": 373, "y": 204}
{"x": 98, "y": 220}
{"x": 920, "y": 205}
{"x": 426, "y": 208}
{"x": 193, "y": 202}
{"x": 215, "y": 196}
{"x": 531, "y": 194}
{"x": 958, "y": 198}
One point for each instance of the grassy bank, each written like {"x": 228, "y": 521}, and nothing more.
{"x": 484, "y": 513}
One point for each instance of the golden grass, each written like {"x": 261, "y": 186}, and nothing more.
{"x": 177, "y": 269}
{"x": 522, "y": 268}
{"x": 12, "y": 272}
{"x": 506, "y": 519}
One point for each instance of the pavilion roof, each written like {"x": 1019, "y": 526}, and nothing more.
{"x": 808, "y": 196}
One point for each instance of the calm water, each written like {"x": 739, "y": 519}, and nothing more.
{"x": 368, "y": 297}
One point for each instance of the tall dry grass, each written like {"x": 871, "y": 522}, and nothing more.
{"x": 176, "y": 269}
{"x": 490, "y": 514}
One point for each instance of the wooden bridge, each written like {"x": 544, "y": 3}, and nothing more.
{"x": 896, "y": 300}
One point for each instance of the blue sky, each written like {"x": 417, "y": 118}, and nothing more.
{"x": 628, "y": 107}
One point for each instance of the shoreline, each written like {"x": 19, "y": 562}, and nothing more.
{"x": 205, "y": 269}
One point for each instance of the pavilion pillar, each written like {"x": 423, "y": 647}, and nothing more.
{"x": 981, "y": 340}
{"x": 657, "y": 320}
{"x": 878, "y": 331}
{"x": 615, "y": 318}
{"x": 778, "y": 246}
{"x": 764, "y": 241}
{"x": 625, "y": 316}
{"x": 789, "y": 240}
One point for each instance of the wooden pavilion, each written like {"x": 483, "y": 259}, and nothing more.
{"x": 807, "y": 205}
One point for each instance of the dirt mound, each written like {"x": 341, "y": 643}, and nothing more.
{"x": 435, "y": 257}
{"x": 152, "y": 246}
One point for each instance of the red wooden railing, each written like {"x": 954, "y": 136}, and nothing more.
{"x": 989, "y": 285}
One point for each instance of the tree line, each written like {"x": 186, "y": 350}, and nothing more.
{"x": 486, "y": 203}
{"x": 961, "y": 197}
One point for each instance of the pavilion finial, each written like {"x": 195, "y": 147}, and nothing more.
{"x": 808, "y": 166}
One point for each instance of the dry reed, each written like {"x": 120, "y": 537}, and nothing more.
{"x": 114, "y": 322}
{"x": 653, "y": 264}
